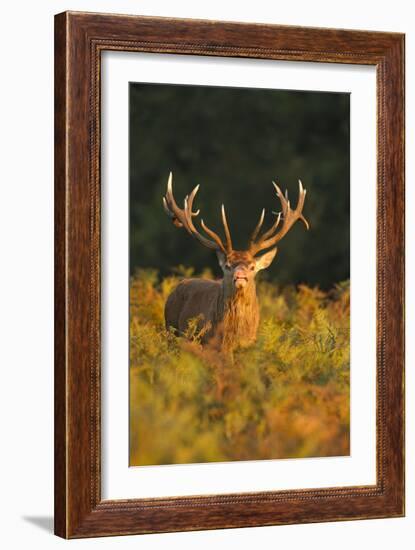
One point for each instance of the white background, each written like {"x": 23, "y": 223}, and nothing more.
{"x": 26, "y": 299}
{"x": 120, "y": 481}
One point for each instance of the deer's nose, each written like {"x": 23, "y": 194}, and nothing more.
{"x": 240, "y": 273}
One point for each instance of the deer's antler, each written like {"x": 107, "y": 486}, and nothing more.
{"x": 289, "y": 217}
{"x": 182, "y": 217}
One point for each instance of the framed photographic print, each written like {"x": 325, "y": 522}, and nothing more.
{"x": 229, "y": 276}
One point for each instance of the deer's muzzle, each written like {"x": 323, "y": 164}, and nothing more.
{"x": 240, "y": 278}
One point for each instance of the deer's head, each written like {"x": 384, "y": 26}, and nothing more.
{"x": 239, "y": 267}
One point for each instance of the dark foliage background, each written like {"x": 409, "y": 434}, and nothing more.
{"x": 234, "y": 142}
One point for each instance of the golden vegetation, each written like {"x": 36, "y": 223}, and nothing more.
{"x": 286, "y": 396}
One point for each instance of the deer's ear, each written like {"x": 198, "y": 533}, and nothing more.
{"x": 265, "y": 260}
{"x": 221, "y": 258}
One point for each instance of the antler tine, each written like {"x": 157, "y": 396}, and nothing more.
{"x": 170, "y": 205}
{"x": 188, "y": 213}
{"x": 273, "y": 227}
{"x": 191, "y": 199}
{"x": 183, "y": 217}
{"x": 166, "y": 208}
{"x": 227, "y": 232}
{"x": 269, "y": 238}
{"x": 214, "y": 236}
{"x": 302, "y": 193}
{"x": 257, "y": 227}
{"x": 285, "y": 203}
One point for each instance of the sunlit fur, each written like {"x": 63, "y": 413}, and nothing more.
{"x": 227, "y": 310}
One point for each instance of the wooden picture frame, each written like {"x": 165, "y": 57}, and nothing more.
{"x": 79, "y": 40}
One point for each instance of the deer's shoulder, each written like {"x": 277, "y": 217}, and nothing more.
{"x": 198, "y": 284}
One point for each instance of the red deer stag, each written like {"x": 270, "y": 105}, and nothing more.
{"x": 227, "y": 310}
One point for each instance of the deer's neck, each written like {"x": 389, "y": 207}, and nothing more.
{"x": 239, "y": 316}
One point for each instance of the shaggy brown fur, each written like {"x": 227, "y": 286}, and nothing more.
{"x": 240, "y": 320}
{"x": 227, "y": 310}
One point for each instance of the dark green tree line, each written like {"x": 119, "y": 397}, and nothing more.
{"x": 234, "y": 142}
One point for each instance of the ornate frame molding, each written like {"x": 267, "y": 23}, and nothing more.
{"x": 79, "y": 40}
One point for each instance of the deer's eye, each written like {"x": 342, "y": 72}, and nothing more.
{"x": 252, "y": 267}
